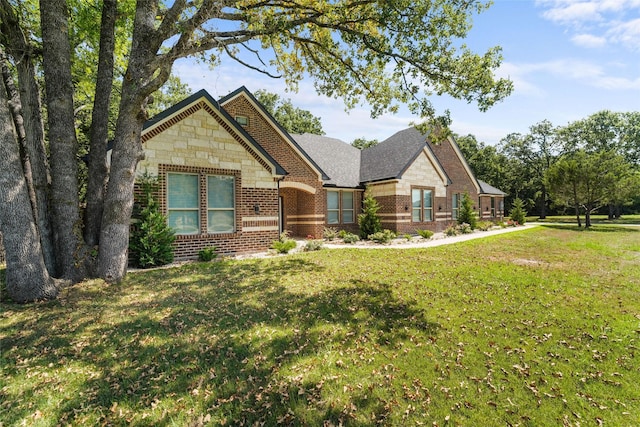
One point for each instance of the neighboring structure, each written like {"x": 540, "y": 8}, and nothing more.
{"x": 233, "y": 178}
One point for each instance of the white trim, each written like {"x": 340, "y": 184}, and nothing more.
{"x": 298, "y": 186}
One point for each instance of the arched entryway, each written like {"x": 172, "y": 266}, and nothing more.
{"x": 302, "y": 209}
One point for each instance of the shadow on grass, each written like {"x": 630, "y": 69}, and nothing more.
{"x": 593, "y": 229}
{"x": 168, "y": 346}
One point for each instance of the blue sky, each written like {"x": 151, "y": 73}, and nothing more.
{"x": 567, "y": 58}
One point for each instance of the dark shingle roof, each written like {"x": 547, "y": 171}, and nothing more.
{"x": 489, "y": 189}
{"x": 391, "y": 158}
{"x": 339, "y": 160}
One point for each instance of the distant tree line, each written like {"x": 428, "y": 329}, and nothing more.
{"x": 588, "y": 166}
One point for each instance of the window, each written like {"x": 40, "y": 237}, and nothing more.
{"x": 455, "y": 205}
{"x": 421, "y": 205}
{"x": 242, "y": 120}
{"x": 220, "y": 204}
{"x": 347, "y": 207}
{"x": 183, "y": 203}
{"x": 333, "y": 207}
{"x": 340, "y": 207}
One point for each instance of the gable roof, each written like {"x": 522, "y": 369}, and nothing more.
{"x": 438, "y": 151}
{"x": 393, "y": 156}
{"x": 490, "y": 189}
{"x": 202, "y": 95}
{"x": 242, "y": 90}
{"x": 340, "y": 160}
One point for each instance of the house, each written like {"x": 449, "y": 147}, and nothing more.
{"x": 233, "y": 178}
{"x": 218, "y": 186}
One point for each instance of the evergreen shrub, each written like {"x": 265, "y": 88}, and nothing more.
{"x": 467, "y": 214}
{"x": 151, "y": 241}
{"x": 518, "y": 214}
{"x": 368, "y": 220}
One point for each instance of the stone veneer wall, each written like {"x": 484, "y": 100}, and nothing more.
{"x": 197, "y": 141}
{"x": 394, "y": 198}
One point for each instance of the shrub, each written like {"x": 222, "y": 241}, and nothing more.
{"x": 451, "y": 231}
{"x": 408, "y": 237}
{"x": 425, "y": 234}
{"x": 284, "y": 244}
{"x": 485, "y": 225}
{"x": 464, "y": 228}
{"x": 518, "y": 214}
{"x": 350, "y": 238}
{"x": 151, "y": 242}
{"x": 467, "y": 215}
{"x": 313, "y": 245}
{"x": 207, "y": 254}
{"x": 384, "y": 236}
{"x": 342, "y": 233}
{"x": 329, "y": 233}
{"x": 368, "y": 220}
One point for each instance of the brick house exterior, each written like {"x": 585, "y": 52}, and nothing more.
{"x": 301, "y": 195}
{"x": 271, "y": 181}
{"x": 198, "y": 146}
{"x": 298, "y": 183}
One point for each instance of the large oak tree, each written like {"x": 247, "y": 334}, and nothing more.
{"x": 385, "y": 53}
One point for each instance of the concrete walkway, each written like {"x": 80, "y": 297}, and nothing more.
{"x": 438, "y": 239}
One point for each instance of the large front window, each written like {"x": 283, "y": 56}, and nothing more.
{"x": 340, "y": 207}
{"x": 185, "y": 202}
{"x": 220, "y": 204}
{"x": 421, "y": 205}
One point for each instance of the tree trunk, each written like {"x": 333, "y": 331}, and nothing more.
{"x": 98, "y": 137}
{"x": 63, "y": 144}
{"x": 543, "y": 207}
{"x": 19, "y": 48}
{"x": 577, "y": 208}
{"x": 27, "y": 277}
{"x": 145, "y": 74}
{"x": 116, "y": 217}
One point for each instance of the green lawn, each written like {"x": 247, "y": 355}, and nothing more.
{"x": 595, "y": 219}
{"x": 539, "y": 327}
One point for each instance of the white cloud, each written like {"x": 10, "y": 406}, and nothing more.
{"x": 626, "y": 33}
{"x": 589, "y": 40}
{"x": 570, "y": 12}
{"x": 583, "y": 72}
{"x": 596, "y": 22}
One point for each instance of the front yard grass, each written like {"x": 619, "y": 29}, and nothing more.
{"x": 595, "y": 219}
{"x": 538, "y": 327}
